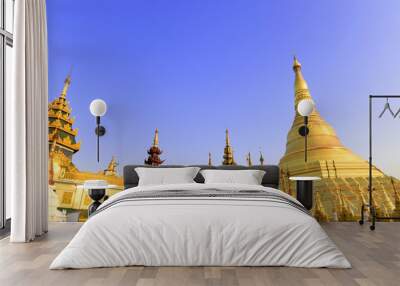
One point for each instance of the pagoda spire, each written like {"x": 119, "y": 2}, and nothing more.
{"x": 261, "y": 159}
{"x": 154, "y": 153}
{"x": 61, "y": 133}
{"x": 301, "y": 90}
{"x": 228, "y": 152}
{"x": 67, "y": 83}
{"x": 155, "y": 140}
{"x": 248, "y": 159}
{"x": 227, "y": 140}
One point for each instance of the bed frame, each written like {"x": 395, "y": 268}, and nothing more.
{"x": 270, "y": 179}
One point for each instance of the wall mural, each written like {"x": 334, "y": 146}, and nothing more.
{"x": 216, "y": 80}
{"x": 338, "y": 196}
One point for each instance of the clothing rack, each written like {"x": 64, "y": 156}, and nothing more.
{"x": 370, "y": 205}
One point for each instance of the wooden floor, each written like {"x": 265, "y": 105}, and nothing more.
{"x": 375, "y": 257}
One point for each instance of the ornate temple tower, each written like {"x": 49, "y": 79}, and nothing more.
{"x": 154, "y": 153}
{"x": 61, "y": 132}
{"x": 344, "y": 184}
{"x": 228, "y": 152}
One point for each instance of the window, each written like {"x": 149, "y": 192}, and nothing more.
{"x": 6, "y": 44}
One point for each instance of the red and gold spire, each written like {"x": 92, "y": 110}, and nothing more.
{"x": 154, "y": 153}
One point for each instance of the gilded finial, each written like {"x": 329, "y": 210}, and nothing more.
{"x": 261, "y": 159}
{"x": 300, "y": 85}
{"x": 248, "y": 159}
{"x": 296, "y": 63}
{"x": 209, "y": 159}
{"x": 155, "y": 141}
{"x": 67, "y": 83}
{"x": 227, "y": 140}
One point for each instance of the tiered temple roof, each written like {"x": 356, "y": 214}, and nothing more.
{"x": 60, "y": 124}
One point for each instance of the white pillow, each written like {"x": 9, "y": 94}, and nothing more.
{"x": 166, "y": 176}
{"x": 248, "y": 177}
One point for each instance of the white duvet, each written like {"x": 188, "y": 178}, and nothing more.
{"x": 200, "y": 231}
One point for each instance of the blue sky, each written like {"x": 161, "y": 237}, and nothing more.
{"x": 194, "y": 68}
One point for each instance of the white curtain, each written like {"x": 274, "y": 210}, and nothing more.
{"x": 26, "y": 123}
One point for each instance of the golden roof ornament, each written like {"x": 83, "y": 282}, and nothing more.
{"x": 111, "y": 168}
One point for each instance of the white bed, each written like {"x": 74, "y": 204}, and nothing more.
{"x": 185, "y": 230}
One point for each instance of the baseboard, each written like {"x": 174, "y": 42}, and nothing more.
{"x": 5, "y": 231}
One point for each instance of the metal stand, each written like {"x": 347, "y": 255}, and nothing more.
{"x": 100, "y": 131}
{"x": 96, "y": 195}
{"x": 303, "y": 131}
{"x": 304, "y": 193}
{"x": 370, "y": 205}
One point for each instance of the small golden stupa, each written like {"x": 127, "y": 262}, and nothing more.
{"x": 344, "y": 184}
{"x": 228, "y": 151}
{"x": 69, "y": 202}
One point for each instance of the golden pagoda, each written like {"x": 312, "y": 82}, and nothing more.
{"x": 344, "y": 184}
{"x": 228, "y": 151}
{"x": 154, "y": 153}
{"x": 69, "y": 201}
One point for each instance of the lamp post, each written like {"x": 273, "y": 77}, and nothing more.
{"x": 305, "y": 108}
{"x": 98, "y": 108}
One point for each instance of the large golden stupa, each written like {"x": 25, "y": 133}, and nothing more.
{"x": 67, "y": 200}
{"x": 344, "y": 184}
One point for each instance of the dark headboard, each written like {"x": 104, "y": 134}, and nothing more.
{"x": 271, "y": 177}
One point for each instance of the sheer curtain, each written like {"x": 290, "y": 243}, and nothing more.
{"x": 26, "y": 123}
